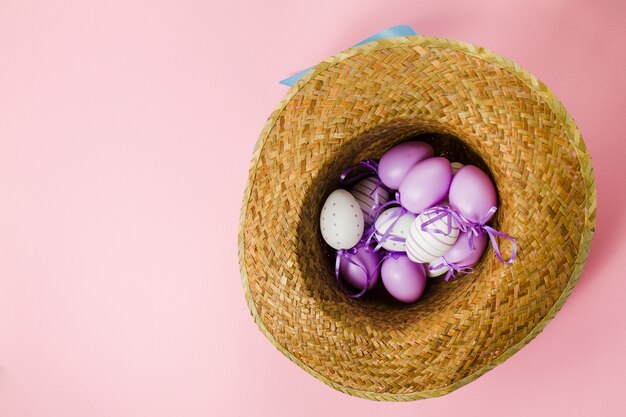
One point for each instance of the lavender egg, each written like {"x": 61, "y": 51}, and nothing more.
{"x": 404, "y": 280}
{"x": 460, "y": 254}
{"x": 426, "y": 184}
{"x": 367, "y": 264}
{"x": 369, "y": 196}
{"x": 397, "y": 161}
{"x": 472, "y": 193}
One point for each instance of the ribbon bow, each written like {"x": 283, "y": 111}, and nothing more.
{"x": 382, "y": 237}
{"x": 439, "y": 213}
{"x": 369, "y": 164}
{"x": 454, "y": 270}
{"x": 342, "y": 254}
{"x": 475, "y": 229}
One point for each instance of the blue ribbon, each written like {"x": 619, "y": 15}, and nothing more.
{"x": 392, "y": 32}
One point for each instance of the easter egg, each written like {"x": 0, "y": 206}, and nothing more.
{"x": 426, "y": 184}
{"x": 403, "y": 279}
{"x": 455, "y": 167}
{"x": 369, "y": 196}
{"x": 397, "y": 231}
{"x": 460, "y": 254}
{"x": 341, "y": 220}
{"x": 355, "y": 268}
{"x": 472, "y": 193}
{"x": 423, "y": 246}
{"x": 397, "y": 161}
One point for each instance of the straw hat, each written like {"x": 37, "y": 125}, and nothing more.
{"x": 473, "y": 106}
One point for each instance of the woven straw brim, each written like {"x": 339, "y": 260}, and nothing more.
{"x": 355, "y": 106}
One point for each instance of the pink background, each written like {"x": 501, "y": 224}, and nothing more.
{"x": 126, "y": 130}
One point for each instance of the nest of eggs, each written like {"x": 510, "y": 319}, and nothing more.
{"x": 472, "y": 106}
{"x": 435, "y": 225}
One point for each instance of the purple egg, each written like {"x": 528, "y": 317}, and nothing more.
{"x": 426, "y": 184}
{"x": 404, "y": 279}
{"x": 355, "y": 275}
{"x": 462, "y": 254}
{"x": 397, "y": 161}
{"x": 472, "y": 193}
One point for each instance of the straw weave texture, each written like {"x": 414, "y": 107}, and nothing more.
{"x": 471, "y": 105}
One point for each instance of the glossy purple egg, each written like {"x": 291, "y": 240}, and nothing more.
{"x": 356, "y": 275}
{"x": 462, "y": 254}
{"x": 472, "y": 193}
{"x": 404, "y": 279}
{"x": 426, "y": 184}
{"x": 397, "y": 161}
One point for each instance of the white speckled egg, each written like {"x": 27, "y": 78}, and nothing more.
{"x": 455, "y": 167}
{"x": 426, "y": 246}
{"x": 341, "y": 220}
{"x": 431, "y": 271}
{"x": 367, "y": 198}
{"x": 399, "y": 230}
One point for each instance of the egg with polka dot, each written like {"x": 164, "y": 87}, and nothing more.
{"x": 392, "y": 228}
{"x": 341, "y": 220}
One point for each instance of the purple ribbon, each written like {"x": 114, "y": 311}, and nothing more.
{"x": 368, "y": 277}
{"x": 369, "y": 165}
{"x": 441, "y": 212}
{"x": 475, "y": 229}
{"x": 341, "y": 255}
{"x": 392, "y": 254}
{"x": 454, "y": 270}
{"x": 384, "y": 236}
